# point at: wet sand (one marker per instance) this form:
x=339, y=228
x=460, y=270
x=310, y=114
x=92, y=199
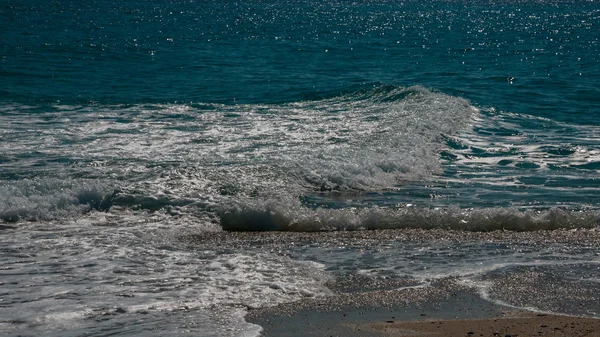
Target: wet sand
x=279, y=240
x=364, y=306
x=523, y=324
x=450, y=319
x=444, y=309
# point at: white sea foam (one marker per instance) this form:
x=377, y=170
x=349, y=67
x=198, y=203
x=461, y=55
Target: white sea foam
x=79, y=275
x=516, y=139
x=561, y=283
x=51, y=198
x=252, y=167
x=200, y=158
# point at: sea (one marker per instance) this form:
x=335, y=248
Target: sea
x=142, y=140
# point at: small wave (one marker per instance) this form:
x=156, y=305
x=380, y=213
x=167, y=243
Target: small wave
x=279, y=215
x=51, y=199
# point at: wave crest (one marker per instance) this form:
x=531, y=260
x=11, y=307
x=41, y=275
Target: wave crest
x=50, y=199
x=201, y=157
x=291, y=215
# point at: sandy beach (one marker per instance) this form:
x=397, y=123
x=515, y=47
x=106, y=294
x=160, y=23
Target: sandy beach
x=443, y=308
x=505, y=324
x=522, y=324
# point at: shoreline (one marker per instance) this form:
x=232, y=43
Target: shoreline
x=444, y=309
x=578, y=236
x=382, y=305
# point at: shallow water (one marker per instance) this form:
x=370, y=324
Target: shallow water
x=153, y=278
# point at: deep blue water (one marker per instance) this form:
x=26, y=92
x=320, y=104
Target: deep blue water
x=127, y=127
x=131, y=52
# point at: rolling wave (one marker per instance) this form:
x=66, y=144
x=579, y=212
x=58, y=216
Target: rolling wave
x=257, y=167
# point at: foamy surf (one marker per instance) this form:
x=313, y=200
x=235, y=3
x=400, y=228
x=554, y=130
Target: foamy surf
x=144, y=275
x=215, y=155
x=390, y=157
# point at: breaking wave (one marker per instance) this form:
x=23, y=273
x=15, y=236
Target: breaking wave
x=256, y=167
x=290, y=215
x=51, y=198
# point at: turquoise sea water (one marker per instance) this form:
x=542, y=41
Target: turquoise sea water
x=125, y=125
